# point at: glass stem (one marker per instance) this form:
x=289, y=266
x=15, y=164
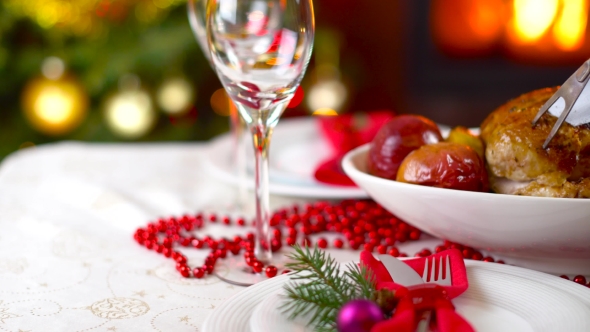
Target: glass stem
x=239, y=136
x=261, y=138
x=241, y=162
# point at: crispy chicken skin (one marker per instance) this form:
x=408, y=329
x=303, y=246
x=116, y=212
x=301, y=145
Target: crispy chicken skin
x=516, y=160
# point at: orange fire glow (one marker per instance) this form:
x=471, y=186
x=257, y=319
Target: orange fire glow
x=565, y=21
x=528, y=29
x=467, y=27
x=532, y=18
x=570, y=29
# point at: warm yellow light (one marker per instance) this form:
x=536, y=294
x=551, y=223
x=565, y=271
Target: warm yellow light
x=175, y=96
x=48, y=15
x=325, y=112
x=327, y=94
x=569, y=30
x=53, y=106
x=130, y=114
x=87, y=17
x=532, y=18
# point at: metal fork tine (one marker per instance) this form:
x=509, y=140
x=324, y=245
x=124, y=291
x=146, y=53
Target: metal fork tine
x=560, y=120
x=546, y=107
x=569, y=91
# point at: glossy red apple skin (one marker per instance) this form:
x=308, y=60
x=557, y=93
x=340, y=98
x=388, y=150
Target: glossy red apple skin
x=445, y=165
x=396, y=139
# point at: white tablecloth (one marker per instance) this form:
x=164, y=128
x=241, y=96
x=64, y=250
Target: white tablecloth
x=68, y=261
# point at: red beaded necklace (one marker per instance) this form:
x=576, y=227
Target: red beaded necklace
x=360, y=222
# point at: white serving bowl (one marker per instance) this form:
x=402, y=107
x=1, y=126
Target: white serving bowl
x=541, y=233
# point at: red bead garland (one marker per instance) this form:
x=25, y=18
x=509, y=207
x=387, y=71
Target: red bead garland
x=362, y=223
x=271, y=271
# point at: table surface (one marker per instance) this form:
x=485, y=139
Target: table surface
x=68, y=261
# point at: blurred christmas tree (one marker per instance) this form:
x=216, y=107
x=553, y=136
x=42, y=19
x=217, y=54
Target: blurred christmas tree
x=131, y=70
x=69, y=68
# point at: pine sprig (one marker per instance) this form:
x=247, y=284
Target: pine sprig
x=363, y=279
x=320, y=288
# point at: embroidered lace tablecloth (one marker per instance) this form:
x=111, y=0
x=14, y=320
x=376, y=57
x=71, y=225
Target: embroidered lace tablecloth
x=67, y=258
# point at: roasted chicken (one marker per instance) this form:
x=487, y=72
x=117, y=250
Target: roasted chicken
x=518, y=164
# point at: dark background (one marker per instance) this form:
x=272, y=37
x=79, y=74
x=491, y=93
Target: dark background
x=385, y=50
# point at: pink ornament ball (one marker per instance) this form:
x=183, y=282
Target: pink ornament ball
x=358, y=316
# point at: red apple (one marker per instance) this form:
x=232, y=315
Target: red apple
x=396, y=139
x=445, y=165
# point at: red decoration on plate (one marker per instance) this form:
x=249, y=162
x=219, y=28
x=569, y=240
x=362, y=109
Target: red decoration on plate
x=417, y=298
x=331, y=172
x=344, y=133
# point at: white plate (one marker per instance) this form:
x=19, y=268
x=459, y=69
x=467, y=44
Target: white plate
x=540, y=233
x=500, y=298
x=296, y=149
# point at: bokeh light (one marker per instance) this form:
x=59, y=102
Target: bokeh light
x=221, y=103
x=175, y=96
x=330, y=94
x=130, y=114
x=54, y=106
x=84, y=17
x=324, y=112
x=569, y=30
x=53, y=68
x=533, y=17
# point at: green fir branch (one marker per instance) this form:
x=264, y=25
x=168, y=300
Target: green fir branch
x=319, y=288
x=363, y=279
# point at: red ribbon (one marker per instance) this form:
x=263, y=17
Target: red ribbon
x=416, y=299
x=344, y=133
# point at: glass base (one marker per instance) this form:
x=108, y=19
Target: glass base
x=237, y=272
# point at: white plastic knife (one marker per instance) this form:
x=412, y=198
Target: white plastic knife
x=403, y=274
x=400, y=272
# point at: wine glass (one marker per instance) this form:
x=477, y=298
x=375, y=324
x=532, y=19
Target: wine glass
x=197, y=17
x=260, y=49
x=197, y=10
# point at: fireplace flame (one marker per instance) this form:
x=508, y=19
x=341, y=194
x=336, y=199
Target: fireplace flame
x=545, y=31
x=532, y=18
x=565, y=20
x=569, y=30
